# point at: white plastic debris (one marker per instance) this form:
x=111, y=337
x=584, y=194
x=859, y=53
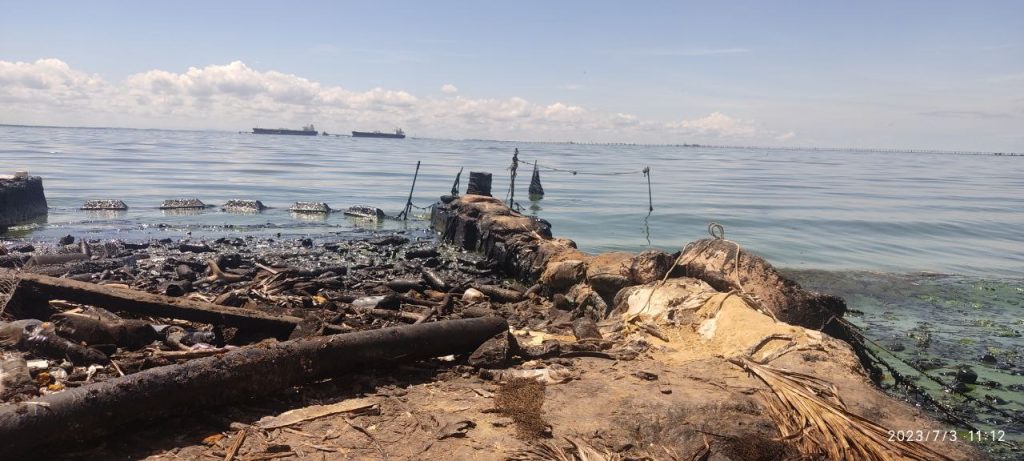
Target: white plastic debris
x=37, y=365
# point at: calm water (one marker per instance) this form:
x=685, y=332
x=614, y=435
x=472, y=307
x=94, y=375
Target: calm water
x=850, y=222
x=940, y=213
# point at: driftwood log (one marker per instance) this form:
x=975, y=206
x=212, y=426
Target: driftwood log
x=33, y=293
x=92, y=410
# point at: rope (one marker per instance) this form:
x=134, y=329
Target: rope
x=581, y=173
x=717, y=232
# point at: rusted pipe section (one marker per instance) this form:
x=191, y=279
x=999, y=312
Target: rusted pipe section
x=93, y=410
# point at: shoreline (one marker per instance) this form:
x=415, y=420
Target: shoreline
x=527, y=318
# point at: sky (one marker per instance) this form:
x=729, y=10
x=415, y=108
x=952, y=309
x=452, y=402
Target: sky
x=910, y=75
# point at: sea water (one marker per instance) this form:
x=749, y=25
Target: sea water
x=927, y=248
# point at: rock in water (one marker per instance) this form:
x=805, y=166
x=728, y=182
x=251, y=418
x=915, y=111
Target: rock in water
x=107, y=204
x=365, y=212
x=243, y=206
x=182, y=204
x=966, y=375
x=310, y=207
x=22, y=199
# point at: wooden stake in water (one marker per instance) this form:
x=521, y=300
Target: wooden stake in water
x=408, y=203
x=455, y=187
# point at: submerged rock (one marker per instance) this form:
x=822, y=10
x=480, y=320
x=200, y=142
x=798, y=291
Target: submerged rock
x=966, y=375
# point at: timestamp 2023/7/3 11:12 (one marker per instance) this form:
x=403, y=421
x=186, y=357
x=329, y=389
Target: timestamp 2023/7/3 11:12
x=937, y=435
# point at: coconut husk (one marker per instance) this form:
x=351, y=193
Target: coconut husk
x=810, y=414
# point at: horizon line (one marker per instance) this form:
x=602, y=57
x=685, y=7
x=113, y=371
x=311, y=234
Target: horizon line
x=590, y=143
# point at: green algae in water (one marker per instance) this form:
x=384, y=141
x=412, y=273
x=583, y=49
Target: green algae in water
x=940, y=323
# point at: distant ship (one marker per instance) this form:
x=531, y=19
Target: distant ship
x=398, y=134
x=305, y=131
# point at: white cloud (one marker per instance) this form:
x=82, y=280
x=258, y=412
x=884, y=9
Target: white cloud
x=717, y=125
x=235, y=96
x=46, y=81
x=785, y=136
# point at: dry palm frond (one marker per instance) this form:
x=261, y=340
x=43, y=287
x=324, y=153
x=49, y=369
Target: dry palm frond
x=809, y=412
x=550, y=451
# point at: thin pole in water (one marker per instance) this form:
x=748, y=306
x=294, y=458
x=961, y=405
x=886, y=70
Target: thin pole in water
x=512, y=183
x=650, y=198
x=408, y=203
x=455, y=186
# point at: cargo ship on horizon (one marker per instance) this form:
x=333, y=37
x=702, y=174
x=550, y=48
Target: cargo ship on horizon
x=398, y=134
x=305, y=131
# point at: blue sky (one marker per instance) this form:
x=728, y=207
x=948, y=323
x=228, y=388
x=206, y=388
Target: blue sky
x=941, y=75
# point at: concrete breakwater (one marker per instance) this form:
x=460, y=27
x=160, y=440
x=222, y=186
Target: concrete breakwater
x=21, y=199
